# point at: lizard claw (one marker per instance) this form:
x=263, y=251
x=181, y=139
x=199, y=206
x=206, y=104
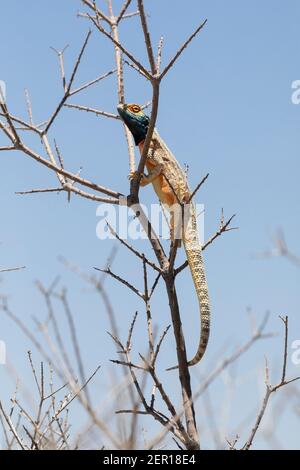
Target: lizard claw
x=133, y=174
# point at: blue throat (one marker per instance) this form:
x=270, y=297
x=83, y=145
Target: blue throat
x=137, y=124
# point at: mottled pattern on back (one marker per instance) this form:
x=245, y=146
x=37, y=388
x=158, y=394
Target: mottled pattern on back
x=160, y=154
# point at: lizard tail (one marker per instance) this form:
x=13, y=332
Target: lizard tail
x=193, y=251
x=196, y=265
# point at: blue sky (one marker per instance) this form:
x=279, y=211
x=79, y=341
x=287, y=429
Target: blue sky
x=226, y=109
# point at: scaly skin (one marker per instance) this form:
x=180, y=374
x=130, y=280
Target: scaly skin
x=170, y=185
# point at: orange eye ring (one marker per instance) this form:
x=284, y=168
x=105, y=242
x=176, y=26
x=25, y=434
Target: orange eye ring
x=135, y=108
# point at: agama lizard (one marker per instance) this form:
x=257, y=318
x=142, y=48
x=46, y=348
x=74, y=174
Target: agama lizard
x=170, y=185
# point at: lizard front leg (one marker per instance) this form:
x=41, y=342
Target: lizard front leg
x=152, y=175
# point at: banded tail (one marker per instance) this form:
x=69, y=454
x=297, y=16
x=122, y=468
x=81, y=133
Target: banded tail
x=194, y=256
x=196, y=264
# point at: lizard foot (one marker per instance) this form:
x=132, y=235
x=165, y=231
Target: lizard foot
x=133, y=174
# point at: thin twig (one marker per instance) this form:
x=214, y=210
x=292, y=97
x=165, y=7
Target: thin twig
x=68, y=87
x=120, y=46
x=257, y=335
x=11, y=427
x=148, y=312
x=123, y=11
x=92, y=82
x=147, y=37
x=42, y=190
x=121, y=280
x=7, y=270
x=159, y=344
x=159, y=54
x=127, y=364
x=29, y=106
x=98, y=12
x=3, y=149
x=60, y=55
x=182, y=48
x=154, y=285
x=223, y=228
x=128, y=342
x=198, y=187
x=98, y=112
x=271, y=389
x=133, y=250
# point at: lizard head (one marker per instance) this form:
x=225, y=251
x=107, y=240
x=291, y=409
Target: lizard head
x=135, y=119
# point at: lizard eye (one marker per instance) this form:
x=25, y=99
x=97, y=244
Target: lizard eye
x=135, y=108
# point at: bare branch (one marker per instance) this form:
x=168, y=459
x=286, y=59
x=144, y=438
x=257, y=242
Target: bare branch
x=123, y=11
x=67, y=174
x=42, y=190
x=69, y=188
x=122, y=48
x=99, y=13
x=139, y=412
x=148, y=312
x=257, y=335
x=147, y=37
x=170, y=425
x=60, y=55
x=26, y=125
x=136, y=68
x=127, y=364
x=182, y=48
x=281, y=249
x=146, y=224
x=128, y=343
x=285, y=351
x=122, y=281
x=92, y=82
x=5, y=270
x=8, y=132
x=133, y=250
x=271, y=389
x=159, y=54
x=52, y=159
x=166, y=399
x=68, y=88
x=173, y=252
x=11, y=427
x=159, y=344
x=29, y=106
x=154, y=285
x=77, y=394
x=98, y=112
x=74, y=337
x=198, y=187
x=120, y=82
x=34, y=374
x=223, y=228
x=5, y=149
x=130, y=15
x=11, y=133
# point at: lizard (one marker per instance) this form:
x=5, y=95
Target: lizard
x=170, y=184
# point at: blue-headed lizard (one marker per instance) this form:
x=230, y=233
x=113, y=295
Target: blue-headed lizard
x=169, y=182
